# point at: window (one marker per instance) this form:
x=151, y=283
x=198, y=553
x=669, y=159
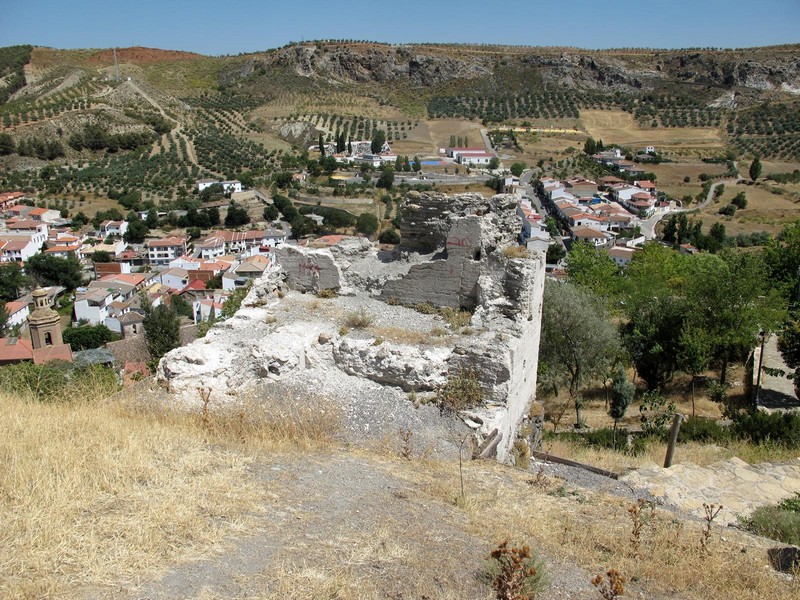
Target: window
x=48, y=339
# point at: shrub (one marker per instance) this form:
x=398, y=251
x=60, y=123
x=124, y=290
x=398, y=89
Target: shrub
x=775, y=523
x=389, y=236
x=359, y=319
x=516, y=252
x=704, y=430
x=456, y=318
x=761, y=427
x=462, y=390
x=728, y=210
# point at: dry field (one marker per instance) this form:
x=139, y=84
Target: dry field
x=621, y=128
x=765, y=210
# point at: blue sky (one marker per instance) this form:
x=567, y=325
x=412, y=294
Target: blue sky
x=215, y=27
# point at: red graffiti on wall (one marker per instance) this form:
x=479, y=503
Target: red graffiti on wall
x=308, y=268
x=459, y=242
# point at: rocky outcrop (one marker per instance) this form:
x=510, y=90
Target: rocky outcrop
x=629, y=72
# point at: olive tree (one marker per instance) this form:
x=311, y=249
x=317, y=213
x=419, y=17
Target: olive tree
x=579, y=342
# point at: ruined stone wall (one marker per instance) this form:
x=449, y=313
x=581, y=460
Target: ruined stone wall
x=295, y=340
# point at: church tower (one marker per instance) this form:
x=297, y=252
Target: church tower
x=44, y=322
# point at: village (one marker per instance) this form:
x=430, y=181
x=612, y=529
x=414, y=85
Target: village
x=202, y=273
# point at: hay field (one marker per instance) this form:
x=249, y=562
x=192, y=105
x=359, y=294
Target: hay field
x=620, y=127
x=765, y=211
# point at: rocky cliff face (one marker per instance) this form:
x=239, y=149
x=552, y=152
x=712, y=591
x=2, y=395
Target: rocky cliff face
x=429, y=67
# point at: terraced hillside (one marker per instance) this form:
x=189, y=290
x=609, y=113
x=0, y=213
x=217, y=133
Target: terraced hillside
x=160, y=118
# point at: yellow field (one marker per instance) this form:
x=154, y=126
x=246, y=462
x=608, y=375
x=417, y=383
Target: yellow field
x=621, y=128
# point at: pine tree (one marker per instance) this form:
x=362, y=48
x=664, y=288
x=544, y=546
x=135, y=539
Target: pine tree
x=321, y=145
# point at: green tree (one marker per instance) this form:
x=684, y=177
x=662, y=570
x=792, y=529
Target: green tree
x=755, y=169
x=271, y=212
x=181, y=307
x=321, y=145
x=101, y=256
x=11, y=281
x=590, y=147
x=162, y=328
x=367, y=224
x=386, y=180
x=593, y=269
x=494, y=163
x=694, y=355
x=416, y=166
x=378, y=139
x=301, y=226
x=7, y=145
x=46, y=269
x=555, y=252
x=87, y=337
x=3, y=319
x=236, y=216
x=782, y=261
x=137, y=231
x=622, y=393
x=389, y=236
x=518, y=168
x=740, y=200
x=578, y=341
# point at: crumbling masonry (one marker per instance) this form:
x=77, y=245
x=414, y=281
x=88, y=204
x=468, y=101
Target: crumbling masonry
x=455, y=253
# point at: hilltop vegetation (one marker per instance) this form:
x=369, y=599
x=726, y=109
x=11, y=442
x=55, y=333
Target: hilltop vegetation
x=166, y=118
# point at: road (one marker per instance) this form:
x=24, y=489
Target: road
x=710, y=195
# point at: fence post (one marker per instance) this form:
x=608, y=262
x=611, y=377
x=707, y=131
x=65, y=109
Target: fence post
x=673, y=439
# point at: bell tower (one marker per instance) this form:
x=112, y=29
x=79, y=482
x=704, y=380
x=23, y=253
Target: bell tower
x=44, y=322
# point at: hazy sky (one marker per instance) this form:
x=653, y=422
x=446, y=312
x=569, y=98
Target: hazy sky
x=214, y=27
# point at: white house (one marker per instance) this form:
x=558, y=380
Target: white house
x=483, y=158
x=246, y=271
x=456, y=152
x=161, y=252
x=44, y=215
x=92, y=305
x=175, y=277
x=20, y=247
x=18, y=312
x=593, y=236
x=117, y=228
x=621, y=255
x=240, y=242
x=228, y=187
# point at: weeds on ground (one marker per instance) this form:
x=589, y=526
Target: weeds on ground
x=641, y=514
x=406, y=449
x=516, y=252
x=326, y=293
x=611, y=586
x=711, y=512
x=515, y=573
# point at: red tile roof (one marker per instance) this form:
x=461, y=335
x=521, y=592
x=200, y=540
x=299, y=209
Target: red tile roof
x=15, y=350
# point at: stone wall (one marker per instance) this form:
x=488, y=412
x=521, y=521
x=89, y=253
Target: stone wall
x=309, y=270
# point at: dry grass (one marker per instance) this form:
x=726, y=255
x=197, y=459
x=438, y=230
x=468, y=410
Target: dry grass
x=408, y=336
x=592, y=531
x=621, y=128
x=93, y=492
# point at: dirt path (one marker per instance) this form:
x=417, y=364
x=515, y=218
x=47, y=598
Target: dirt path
x=346, y=526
